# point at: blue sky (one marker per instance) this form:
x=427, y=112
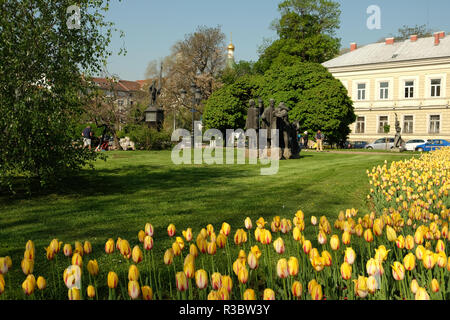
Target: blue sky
x=152, y=26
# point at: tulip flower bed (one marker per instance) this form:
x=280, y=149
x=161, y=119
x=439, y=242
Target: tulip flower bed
x=395, y=250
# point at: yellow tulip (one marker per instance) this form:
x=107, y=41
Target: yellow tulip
x=181, y=281
x=201, y=279
x=377, y=227
x=293, y=266
x=171, y=230
x=213, y=295
x=400, y=242
x=141, y=236
x=28, y=254
x=391, y=234
x=189, y=269
x=133, y=289
x=350, y=255
x=2, y=285
x=148, y=243
x=223, y=294
x=422, y=294
x=50, y=253
x=87, y=247
x=381, y=253
x=334, y=242
x=227, y=283
x=268, y=294
x=113, y=280
x=77, y=260
x=54, y=245
x=297, y=289
x=133, y=273
x=147, y=293
x=242, y=256
x=409, y=242
x=79, y=248
x=248, y=223
x=252, y=261
x=420, y=251
x=216, y=281
x=316, y=292
x=441, y=260
x=297, y=234
x=67, y=249
x=92, y=267
x=346, y=238
x=249, y=294
x=307, y=246
x=212, y=248
x=187, y=234
x=326, y=257
x=90, y=291
x=428, y=260
x=243, y=275
x=225, y=229
x=282, y=268
x=434, y=285
x=27, y=266
x=311, y=285
x=3, y=266
x=72, y=276
x=74, y=294
x=313, y=220
x=440, y=246
x=180, y=242
x=109, y=246
x=148, y=229
x=414, y=286
x=260, y=223
x=176, y=249
x=346, y=271
x=361, y=287
x=372, y=284
x=279, y=245
x=398, y=271
x=168, y=256
x=137, y=254
x=409, y=262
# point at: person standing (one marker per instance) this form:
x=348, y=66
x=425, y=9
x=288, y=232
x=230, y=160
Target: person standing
x=87, y=137
x=319, y=140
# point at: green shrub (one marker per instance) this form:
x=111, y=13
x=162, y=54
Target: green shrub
x=148, y=139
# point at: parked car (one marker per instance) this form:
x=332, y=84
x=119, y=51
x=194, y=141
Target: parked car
x=380, y=144
x=433, y=144
x=411, y=145
x=359, y=144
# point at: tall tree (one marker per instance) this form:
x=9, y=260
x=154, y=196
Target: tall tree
x=41, y=84
x=306, y=32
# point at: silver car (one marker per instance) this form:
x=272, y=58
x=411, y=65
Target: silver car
x=381, y=144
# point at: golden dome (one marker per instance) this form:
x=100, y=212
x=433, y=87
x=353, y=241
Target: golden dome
x=230, y=46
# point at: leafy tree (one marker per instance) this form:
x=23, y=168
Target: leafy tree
x=315, y=98
x=42, y=87
x=242, y=68
x=405, y=32
x=306, y=32
x=227, y=107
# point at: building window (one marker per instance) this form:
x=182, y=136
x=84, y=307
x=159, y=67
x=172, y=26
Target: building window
x=361, y=91
x=408, y=124
x=435, y=123
x=384, y=90
x=383, y=120
x=409, y=89
x=436, y=87
x=120, y=102
x=360, y=125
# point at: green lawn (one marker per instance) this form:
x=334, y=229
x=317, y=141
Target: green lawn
x=132, y=188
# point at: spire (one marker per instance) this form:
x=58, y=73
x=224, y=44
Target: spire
x=230, y=57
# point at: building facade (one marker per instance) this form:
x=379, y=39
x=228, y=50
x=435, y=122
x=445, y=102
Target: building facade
x=410, y=79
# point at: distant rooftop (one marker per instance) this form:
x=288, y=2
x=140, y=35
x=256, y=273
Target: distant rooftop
x=389, y=51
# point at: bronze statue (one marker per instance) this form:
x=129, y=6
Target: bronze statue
x=154, y=91
x=399, y=143
x=252, y=121
x=268, y=119
x=283, y=125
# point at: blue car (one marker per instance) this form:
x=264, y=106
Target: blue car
x=433, y=144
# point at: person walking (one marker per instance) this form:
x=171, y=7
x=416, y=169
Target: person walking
x=319, y=140
x=87, y=137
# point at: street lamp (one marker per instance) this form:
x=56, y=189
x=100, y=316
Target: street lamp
x=196, y=99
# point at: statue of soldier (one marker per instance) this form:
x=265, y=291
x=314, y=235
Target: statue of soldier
x=399, y=143
x=267, y=121
x=154, y=91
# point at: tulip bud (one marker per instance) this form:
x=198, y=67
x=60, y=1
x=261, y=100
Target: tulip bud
x=248, y=223
x=87, y=247
x=422, y=294
x=346, y=238
x=67, y=249
x=243, y=275
x=434, y=285
x=168, y=256
x=279, y=246
x=113, y=280
x=92, y=267
x=322, y=238
x=316, y=292
x=269, y=294
x=187, y=234
x=282, y=268
x=41, y=283
x=409, y=242
x=201, y=279
x=297, y=289
x=252, y=261
x=414, y=286
x=350, y=256
x=307, y=246
x=27, y=266
x=4, y=266
x=141, y=236
x=313, y=220
x=147, y=293
x=293, y=266
x=334, y=242
x=133, y=273
x=372, y=284
x=181, y=281
x=249, y=294
x=361, y=288
x=171, y=230
x=79, y=248
x=133, y=289
x=176, y=249
x=346, y=271
x=409, y=261
x=90, y=291
x=212, y=248
x=227, y=283
x=137, y=254
x=74, y=294
x=148, y=229
x=189, y=269
x=398, y=271
x=77, y=260
x=213, y=295
x=216, y=281
x=225, y=229
x=109, y=246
